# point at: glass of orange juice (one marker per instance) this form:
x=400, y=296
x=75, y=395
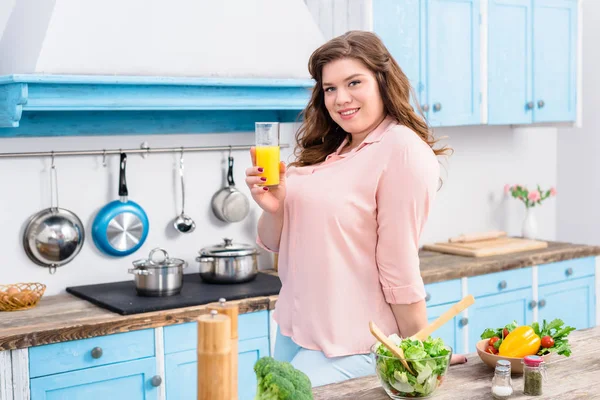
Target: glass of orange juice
x=267, y=151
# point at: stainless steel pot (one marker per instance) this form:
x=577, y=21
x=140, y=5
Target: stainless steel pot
x=229, y=204
x=158, y=278
x=228, y=262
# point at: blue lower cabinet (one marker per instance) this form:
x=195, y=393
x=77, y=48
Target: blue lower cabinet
x=498, y=310
x=181, y=370
x=130, y=380
x=451, y=332
x=572, y=301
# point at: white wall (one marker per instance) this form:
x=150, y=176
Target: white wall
x=158, y=37
x=579, y=148
x=471, y=199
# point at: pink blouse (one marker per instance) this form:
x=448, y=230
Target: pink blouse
x=349, y=245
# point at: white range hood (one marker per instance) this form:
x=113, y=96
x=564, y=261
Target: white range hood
x=176, y=38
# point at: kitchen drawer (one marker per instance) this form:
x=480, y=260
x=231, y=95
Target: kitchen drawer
x=566, y=270
x=500, y=282
x=185, y=336
x=443, y=292
x=77, y=354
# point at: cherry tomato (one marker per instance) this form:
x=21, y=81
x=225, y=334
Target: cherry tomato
x=493, y=340
x=491, y=350
x=547, y=341
x=505, y=332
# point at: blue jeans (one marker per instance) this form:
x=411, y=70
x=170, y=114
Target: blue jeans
x=320, y=369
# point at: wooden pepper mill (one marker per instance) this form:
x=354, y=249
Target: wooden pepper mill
x=214, y=357
x=232, y=311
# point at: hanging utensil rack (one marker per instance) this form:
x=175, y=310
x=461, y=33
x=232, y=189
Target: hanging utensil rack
x=144, y=150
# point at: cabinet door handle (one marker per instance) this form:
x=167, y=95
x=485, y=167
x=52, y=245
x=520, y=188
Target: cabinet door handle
x=502, y=285
x=97, y=352
x=156, y=381
x=569, y=271
x=437, y=107
x=464, y=321
x=427, y=297
x=533, y=304
x=542, y=303
x=541, y=104
x=530, y=105
x=425, y=107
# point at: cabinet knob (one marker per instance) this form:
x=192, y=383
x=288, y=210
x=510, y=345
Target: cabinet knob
x=156, y=380
x=541, y=104
x=533, y=304
x=425, y=107
x=464, y=321
x=502, y=285
x=569, y=271
x=96, y=352
x=437, y=107
x=427, y=297
x=530, y=105
x=542, y=303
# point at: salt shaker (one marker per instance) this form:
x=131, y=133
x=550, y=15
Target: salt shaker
x=502, y=383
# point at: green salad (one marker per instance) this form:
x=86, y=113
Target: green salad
x=428, y=360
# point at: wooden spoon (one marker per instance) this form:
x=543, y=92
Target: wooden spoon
x=397, y=351
x=445, y=317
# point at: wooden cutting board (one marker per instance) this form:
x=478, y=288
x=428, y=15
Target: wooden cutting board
x=484, y=248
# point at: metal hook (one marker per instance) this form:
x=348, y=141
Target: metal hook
x=104, y=158
x=52, y=157
x=229, y=151
x=181, y=152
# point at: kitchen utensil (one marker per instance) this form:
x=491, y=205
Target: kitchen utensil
x=485, y=248
x=232, y=311
x=214, y=357
x=396, y=351
x=53, y=236
x=20, y=296
x=490, y=360
x=121, y=226
x=228, y=262
x=474, y=237
x=158, y=277
x=452, y=312
x=229, y=204
x=183, y=223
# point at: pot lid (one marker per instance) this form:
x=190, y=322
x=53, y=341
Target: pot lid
x=153, y=262
x=228, y=249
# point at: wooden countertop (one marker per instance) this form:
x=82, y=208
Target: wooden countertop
x=66, y=317
x=574, y=377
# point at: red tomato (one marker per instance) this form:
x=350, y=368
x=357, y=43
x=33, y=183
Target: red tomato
x=491, y=350
x=493, y=340
x=505, y=332
x=547, y=341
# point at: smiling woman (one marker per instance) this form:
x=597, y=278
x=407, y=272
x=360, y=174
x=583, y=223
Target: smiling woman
x=347, y=215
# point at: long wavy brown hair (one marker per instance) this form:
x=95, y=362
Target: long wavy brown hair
x=319, y=135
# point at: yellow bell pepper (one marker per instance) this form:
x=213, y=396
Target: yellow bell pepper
x=521, y=342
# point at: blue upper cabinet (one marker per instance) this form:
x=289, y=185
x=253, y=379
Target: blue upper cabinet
x=452, y=62
x=510, y=87
x=555, y=60
x=532, y=61
x=398, y=24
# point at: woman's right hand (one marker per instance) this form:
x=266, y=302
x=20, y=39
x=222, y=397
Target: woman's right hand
x=270, y=199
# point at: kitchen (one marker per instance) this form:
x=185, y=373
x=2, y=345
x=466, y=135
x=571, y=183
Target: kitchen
x=487, y=156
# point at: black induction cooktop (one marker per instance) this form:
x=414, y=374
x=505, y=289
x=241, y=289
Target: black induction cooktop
x=122, y=298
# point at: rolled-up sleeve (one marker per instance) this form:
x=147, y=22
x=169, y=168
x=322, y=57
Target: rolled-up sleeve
x=405, y=192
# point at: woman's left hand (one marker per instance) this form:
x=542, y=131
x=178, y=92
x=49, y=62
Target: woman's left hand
x=458, y=359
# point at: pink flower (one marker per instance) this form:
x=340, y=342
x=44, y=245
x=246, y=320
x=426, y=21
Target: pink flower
x=552, y=191
x=507, y=188
x=534, y=196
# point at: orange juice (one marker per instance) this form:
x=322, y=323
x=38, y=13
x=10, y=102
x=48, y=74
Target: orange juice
x=267, y=157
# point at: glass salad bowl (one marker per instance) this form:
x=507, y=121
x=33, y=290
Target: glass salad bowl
x=428, y=361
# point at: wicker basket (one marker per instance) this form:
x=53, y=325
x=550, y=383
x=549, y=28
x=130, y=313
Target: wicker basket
x=20, y=296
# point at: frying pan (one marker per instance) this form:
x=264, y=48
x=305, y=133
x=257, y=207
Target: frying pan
x=121, y=226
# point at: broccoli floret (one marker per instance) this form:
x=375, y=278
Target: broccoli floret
x=278, y=380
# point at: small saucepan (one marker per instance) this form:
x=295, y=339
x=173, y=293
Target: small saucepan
x=229, y=204
x=158, y=277
x=228, y=262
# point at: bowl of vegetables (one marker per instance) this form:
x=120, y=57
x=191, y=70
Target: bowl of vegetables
x=513, y=342
x=427, y=360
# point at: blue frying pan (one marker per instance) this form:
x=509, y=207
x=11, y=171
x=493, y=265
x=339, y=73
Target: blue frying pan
x=121, y=226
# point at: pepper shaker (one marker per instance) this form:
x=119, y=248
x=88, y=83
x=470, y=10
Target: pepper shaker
x=534, y=373
x=501, y=382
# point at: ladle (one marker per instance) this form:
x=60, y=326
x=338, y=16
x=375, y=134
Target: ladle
x=183, y=223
